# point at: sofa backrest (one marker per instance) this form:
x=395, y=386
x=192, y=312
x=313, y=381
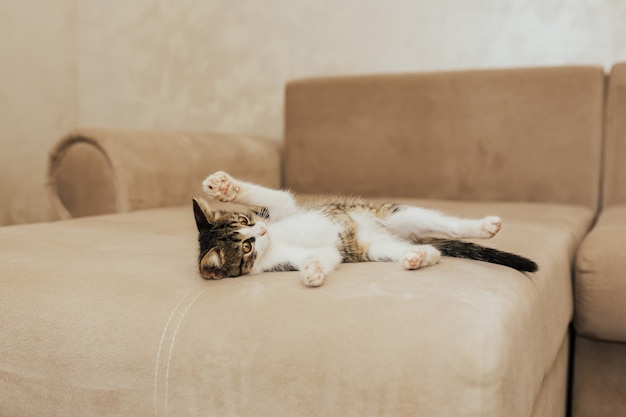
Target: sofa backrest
x=615, y=148
x=531, y=134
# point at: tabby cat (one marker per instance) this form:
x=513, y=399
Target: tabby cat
x=275, y=234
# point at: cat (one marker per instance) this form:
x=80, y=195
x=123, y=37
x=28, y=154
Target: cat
x=275, y=234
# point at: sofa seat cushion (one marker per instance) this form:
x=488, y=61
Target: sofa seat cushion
x=600, y=280
x=108, y=315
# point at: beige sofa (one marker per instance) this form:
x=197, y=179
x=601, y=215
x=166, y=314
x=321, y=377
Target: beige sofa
x=105, y=313
x=599, y=387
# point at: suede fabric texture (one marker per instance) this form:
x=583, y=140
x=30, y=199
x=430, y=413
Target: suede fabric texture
x=505, y=135
x=108, y=315
x=599, y=378
x=615, y=154
x=600, y=283
x=98, y=171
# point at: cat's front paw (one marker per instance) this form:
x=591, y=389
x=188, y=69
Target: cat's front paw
x=221, y=187
x=491, y=225
x=312, y=275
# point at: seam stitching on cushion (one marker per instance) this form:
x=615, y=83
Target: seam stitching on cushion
x=171, y=350
x=161, y=342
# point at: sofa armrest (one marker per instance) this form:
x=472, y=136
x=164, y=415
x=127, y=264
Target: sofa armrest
x=98, y=171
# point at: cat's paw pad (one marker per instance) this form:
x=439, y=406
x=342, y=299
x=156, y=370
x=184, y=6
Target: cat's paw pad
x=420, y=257
x=491, y=225
x=220, y=186
x=313, y=274
x=413, y=259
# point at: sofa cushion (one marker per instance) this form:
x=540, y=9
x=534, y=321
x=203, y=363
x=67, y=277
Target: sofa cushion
x=108, y=315
x=529, y=134
x=615, y=151
x=600, y=281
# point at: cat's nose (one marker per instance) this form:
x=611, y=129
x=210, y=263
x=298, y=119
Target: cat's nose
x=262, y=230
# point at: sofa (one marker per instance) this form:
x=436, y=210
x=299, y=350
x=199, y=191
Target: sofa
x=105, y=313
x=600, y=285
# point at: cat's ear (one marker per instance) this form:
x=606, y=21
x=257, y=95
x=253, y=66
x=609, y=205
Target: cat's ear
x=200, y=210
x=211, y=265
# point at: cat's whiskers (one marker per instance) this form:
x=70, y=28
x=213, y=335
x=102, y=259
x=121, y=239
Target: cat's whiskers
x=261, y=249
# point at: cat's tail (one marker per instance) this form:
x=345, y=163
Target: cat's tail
x=468, y=250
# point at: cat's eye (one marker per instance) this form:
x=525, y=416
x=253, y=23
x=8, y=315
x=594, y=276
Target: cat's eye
x=243, y=220
x=246, y=246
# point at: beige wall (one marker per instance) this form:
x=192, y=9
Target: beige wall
x=222, y=64
x=37, y=100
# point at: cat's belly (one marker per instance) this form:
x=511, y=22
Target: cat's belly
x=291, y=241
x=306, y=230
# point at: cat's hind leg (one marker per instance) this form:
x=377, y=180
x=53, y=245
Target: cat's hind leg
x=221, y=186
x=411, y=256
x=412, y=221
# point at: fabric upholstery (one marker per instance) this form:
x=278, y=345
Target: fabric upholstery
x=599, y=378
x=615, y=171
x=506, y=135
x=600, y=280
x=108, y=315
x=600, y=283
x=97, y=171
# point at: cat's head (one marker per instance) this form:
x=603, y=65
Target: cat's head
x=229, y=241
